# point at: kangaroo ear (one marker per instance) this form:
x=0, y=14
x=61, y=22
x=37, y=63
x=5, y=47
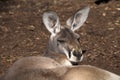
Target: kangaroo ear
x=51, y=21
x=77, y=20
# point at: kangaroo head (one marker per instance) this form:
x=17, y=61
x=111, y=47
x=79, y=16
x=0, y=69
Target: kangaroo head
x=63, y=39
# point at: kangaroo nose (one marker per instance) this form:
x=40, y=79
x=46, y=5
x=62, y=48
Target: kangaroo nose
x=77, y=54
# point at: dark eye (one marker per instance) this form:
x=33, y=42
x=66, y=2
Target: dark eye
x=78, y=39
x=61, y=41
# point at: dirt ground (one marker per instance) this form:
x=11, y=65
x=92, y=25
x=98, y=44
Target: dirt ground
x=22, y=32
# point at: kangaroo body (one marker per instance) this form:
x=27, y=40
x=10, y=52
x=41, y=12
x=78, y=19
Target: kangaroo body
x=81, y=72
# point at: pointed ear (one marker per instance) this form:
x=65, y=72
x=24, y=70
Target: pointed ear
x=77, y=20
x=51, y=21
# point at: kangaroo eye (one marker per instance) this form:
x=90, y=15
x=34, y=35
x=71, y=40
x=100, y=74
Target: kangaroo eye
x=78, y=39
x=61, y=41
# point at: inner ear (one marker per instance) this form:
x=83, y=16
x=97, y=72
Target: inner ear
x=52, y=21
x=77, y=19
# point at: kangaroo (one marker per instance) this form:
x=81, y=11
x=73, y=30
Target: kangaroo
x=63, y=39
x=63, y=46
x=56, y=66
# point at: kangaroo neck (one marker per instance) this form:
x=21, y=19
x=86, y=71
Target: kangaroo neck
x=52, y=44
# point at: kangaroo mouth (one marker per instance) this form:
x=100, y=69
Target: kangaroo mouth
x=74, y=63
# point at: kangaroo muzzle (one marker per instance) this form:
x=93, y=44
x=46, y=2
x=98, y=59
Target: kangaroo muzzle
x=76, y=55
